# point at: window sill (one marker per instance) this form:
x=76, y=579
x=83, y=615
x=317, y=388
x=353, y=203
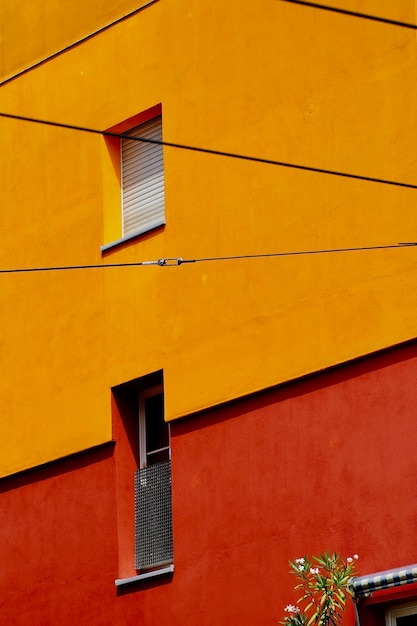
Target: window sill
x=164, y=571
x=122, y=240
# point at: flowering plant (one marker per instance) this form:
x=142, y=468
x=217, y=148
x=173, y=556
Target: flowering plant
x=324, y=584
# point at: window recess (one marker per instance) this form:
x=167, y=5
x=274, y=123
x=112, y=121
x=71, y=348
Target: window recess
x=133, y=178
x=143, y=461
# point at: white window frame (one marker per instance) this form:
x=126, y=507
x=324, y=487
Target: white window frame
x=143, y=396
x=403, y=610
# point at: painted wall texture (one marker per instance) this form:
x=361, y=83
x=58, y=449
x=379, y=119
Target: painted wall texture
x=267, y=79
x=25, y=41
x=263, y=479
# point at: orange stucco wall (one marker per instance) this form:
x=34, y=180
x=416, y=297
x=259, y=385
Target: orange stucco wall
x=268, y=79
x=34, y=31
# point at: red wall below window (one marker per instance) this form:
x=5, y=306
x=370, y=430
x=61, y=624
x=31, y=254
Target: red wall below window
x=328, y=463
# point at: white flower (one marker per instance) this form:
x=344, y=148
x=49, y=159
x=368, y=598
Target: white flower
x=290, y=608
x=301, y=560
x=349, y=559
x=356, y=557
x=314, y=570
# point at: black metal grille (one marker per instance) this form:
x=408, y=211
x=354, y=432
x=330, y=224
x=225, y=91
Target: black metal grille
x=153, y=515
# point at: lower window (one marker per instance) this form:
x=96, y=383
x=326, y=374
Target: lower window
x=143, y=467
x=404, y=615
x=153, y=495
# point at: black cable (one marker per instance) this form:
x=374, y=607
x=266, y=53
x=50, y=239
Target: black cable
x=298, y=253
x=314, y=5
x=76, y=43
x=176, y=261
x=365, y=16
x=222, y=153
x=60, y=268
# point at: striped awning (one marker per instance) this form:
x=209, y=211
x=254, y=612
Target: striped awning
x=384, y=580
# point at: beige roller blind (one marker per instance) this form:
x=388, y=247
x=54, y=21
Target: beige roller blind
x=143, y=205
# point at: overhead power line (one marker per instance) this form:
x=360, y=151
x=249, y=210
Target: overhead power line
x=221, y=153
x=364, y=16
x=177, y=261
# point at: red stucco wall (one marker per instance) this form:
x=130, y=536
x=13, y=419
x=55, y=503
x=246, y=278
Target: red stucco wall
x=326, y=463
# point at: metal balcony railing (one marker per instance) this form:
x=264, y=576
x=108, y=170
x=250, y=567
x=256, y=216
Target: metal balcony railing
x=153, y=516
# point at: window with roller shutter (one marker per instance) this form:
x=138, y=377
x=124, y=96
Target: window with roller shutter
x=143, y=204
